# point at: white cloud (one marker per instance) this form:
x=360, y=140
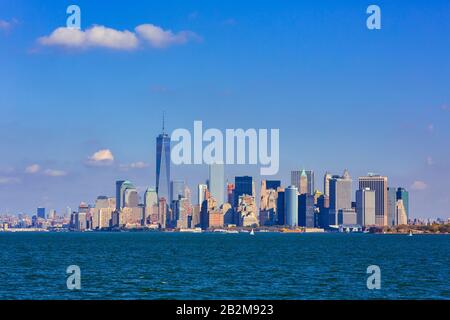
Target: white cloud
x=134, y=165
x=138, y=165
x=7, y=25
x=101, y=157
x=55, y=173
x=9, y=180
x=96, y=36
x=32, y=169
x=104, y=37
x=160, y=38
x=419, y=185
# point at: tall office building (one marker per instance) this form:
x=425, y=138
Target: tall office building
x=150, y=197
x=303, y=180
x=291, y=206
x=299, y=179
x=365, y=207
x=118, y=195
x=310, y=181
x=341, y=191
x=176, y=189
x=326, y=183
x=40, y=213
x=380, y=185
x=131, y=198
x=392, y=202
x=163, y=165
x=306, y=210
x=403, y=194
x=340, y=196
x=400, y=213
x=267, y=205
x=202, y=188
x=216, y=182
x=243, y=186
x=281, y=215
x=124, y=186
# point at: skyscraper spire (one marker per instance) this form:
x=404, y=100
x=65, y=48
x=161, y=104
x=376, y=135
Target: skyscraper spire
x=163, y=124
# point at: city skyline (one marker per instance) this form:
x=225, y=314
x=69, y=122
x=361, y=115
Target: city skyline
x=74, y=119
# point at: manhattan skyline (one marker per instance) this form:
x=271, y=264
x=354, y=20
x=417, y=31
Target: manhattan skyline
x=73, y=120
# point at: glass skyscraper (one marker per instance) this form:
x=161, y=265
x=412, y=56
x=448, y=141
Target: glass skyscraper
x=243, y=185
x=403, y=194
x=163, y=165
x=118, y=197
x=291, y=206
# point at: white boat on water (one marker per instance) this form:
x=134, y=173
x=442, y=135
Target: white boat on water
x=410, y=234
x=252, y=233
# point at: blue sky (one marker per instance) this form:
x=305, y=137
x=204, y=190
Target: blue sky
x=343, y=96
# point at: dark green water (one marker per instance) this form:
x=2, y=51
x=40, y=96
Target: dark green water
x=223, y=266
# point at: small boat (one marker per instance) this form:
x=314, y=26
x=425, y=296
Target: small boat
x=410, y=234
x=252, y=233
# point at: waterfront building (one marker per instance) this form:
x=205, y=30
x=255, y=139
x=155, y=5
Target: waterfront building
x=347, y=216
x=102, y=212
x=41, y=213
x=392, y=202
x=400, y=211
x=118, y=194
x=150, y=201
x=124, y=186
x=228, y=214
x=291, y=206
x=281, y=213
x=244, y=185
x=196, y=216
x=306, y=210
x=365, y=207
x=340, y=196
x=208, y=206
x=131, y=217
x=247, y=211
x=403, y=194
x=268, y=205
x=163, y=212
x=182, y=212
x=379, y=184
x=323, y=204
x=131, y=198
x=163, y=164
x=216, y=219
